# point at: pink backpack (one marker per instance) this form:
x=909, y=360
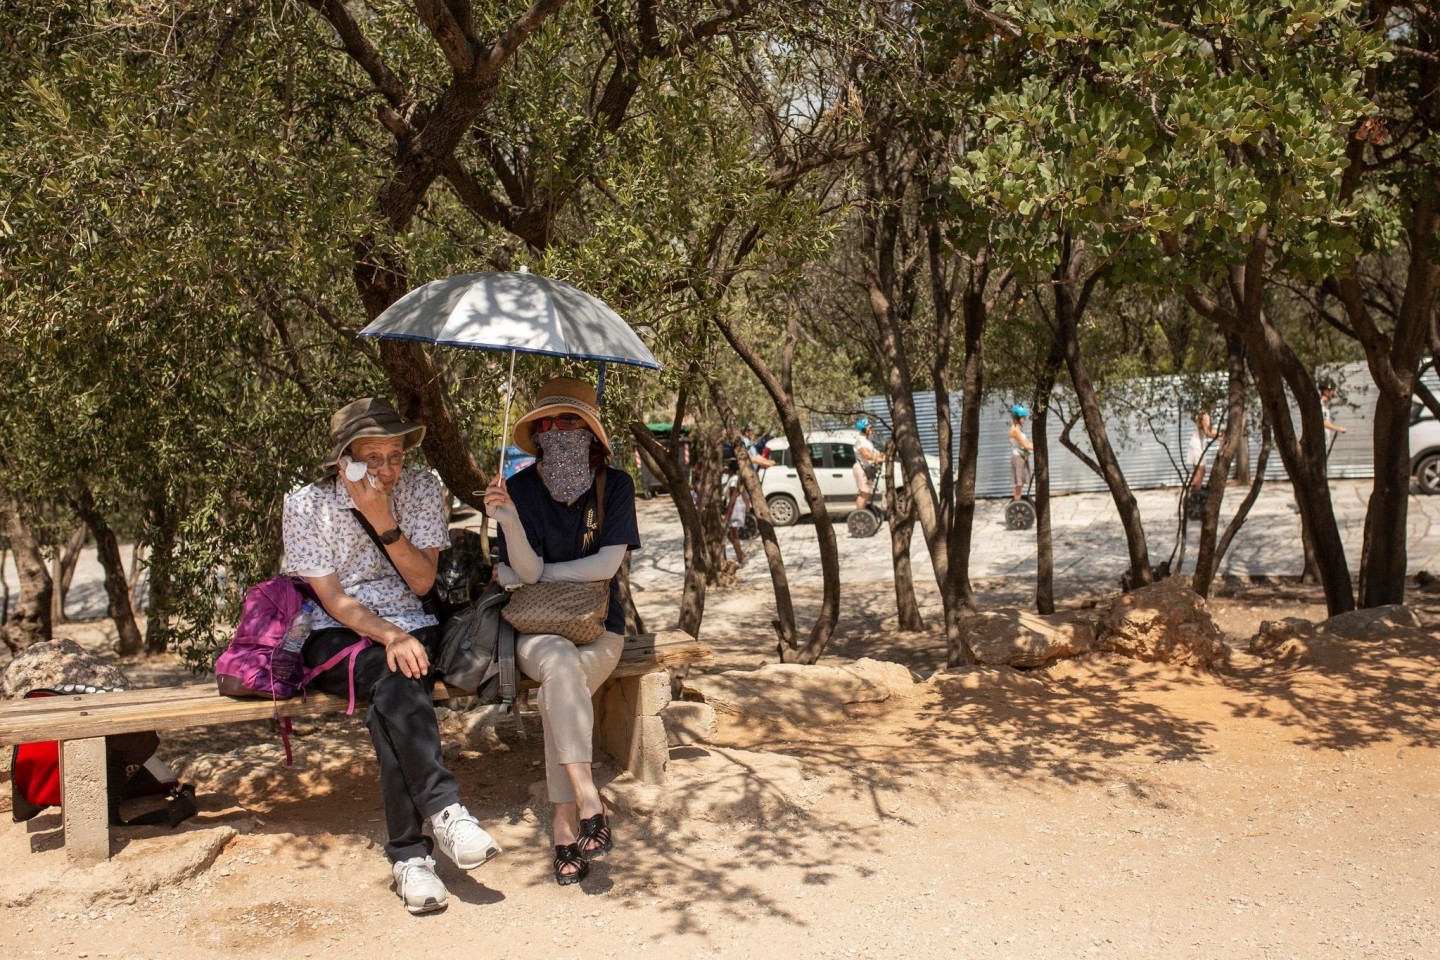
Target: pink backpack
x=264, y=657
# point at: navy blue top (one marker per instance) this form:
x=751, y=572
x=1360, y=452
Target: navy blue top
x=557, y=532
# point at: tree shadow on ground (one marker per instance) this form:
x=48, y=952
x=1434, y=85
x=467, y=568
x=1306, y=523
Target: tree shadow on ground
x=1342, y=694
x=985, y=726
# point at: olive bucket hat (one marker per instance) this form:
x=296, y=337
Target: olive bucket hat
x=370, y=417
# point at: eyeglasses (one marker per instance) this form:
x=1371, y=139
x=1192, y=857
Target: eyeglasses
x=376, y=462
x=561, y=421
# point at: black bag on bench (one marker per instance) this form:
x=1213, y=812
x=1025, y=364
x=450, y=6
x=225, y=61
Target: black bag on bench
x=140, y=786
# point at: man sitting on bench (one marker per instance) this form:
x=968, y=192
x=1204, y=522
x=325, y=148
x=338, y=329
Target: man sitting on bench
x=367, y=593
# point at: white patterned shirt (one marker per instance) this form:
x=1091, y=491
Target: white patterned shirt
x=323, y=537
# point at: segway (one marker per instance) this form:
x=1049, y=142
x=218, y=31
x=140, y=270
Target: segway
x=1020, y=514
x=1195, y=501
x=864, y=523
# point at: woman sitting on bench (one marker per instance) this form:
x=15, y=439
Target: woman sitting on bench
x=569, y=517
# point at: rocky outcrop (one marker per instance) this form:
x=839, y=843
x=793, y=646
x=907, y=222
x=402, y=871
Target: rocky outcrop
x=1336, y=640
x=56, y=663
x=1165, y=622
x=800, y=693
x=1022, y=639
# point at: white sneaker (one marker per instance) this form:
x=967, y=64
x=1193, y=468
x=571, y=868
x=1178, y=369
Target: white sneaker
x=417, y=884
x=461, y=838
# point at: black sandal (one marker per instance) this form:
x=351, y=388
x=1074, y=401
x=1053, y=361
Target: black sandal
x=568, y=855
x=596, y=840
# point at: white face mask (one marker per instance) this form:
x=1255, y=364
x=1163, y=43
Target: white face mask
x=565, y=468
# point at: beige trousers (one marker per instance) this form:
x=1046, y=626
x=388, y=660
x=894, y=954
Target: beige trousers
x=568, y=676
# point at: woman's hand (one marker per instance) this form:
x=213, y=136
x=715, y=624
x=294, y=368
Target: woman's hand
x=498, y=503
x=407, y=655
x=507, y=577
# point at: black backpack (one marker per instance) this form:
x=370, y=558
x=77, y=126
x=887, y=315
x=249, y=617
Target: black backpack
x=141, y=787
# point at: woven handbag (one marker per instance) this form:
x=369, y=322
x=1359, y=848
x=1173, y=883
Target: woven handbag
x=575, y=611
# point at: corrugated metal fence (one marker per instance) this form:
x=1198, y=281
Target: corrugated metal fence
x=1149, y=422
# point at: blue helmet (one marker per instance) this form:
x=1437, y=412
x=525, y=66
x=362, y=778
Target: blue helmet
x=862, y=423
x=1020, y=410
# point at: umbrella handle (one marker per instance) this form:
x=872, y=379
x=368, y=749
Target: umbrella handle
x=505, y=430
x=600, y=386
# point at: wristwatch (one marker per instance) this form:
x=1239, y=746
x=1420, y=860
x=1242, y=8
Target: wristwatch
x=390, y=536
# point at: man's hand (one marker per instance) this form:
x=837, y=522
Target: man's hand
x=407, y=656
x=372, y=501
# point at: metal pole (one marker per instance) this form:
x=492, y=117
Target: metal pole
x=600, y=386
x=505, y=431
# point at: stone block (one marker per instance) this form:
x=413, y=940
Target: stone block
x=689, y=723
x=85, y=801
x=649, y=751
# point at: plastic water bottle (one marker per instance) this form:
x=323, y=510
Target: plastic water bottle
x=299, y=628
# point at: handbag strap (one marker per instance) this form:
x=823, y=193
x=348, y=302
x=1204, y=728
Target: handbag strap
x=598, y=515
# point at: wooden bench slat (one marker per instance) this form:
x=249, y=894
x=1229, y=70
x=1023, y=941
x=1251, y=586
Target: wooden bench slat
x=193, y=705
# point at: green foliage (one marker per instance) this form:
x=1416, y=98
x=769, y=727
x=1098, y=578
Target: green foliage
x=1133, y=125
x=161, y=215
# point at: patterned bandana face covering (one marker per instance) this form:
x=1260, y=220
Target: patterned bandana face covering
x=565, y=468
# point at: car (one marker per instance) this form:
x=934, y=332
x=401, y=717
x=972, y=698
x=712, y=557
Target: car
x=1424, y=448
x=833, y=453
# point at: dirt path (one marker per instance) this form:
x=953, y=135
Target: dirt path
x=1094, y=809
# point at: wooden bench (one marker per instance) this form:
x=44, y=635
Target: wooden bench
x=628, y=726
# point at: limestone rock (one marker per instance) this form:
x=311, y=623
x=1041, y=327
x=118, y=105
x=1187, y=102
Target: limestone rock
x=689, y=723
x=55, y=663
x=896, y=677
x=1285, y=639
x=1371, y=623
x=1165, y=622
x=1334, y=642
x=1023, y=639
x=985, y=679
x=796, y=693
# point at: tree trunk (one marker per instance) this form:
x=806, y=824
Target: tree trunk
x=1040, y=439
x=697, y=561
x=1243, y=511
x=160, y=563
x=634, y=623
x=784, y=623
x=28, y=623
x=902, y=532
x=1232, y=441
x=972, y=389
x=1279, y=375
x=1383, y=559
x=117, y=588
x=66, y=560
x=794, y=431
x=1068, y=310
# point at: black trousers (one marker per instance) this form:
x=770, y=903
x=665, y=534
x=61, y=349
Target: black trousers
x=413, y=780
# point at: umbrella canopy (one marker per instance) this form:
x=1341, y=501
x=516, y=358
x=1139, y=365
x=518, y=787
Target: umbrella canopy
x=519, y=312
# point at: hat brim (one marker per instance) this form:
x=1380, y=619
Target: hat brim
x=412, y=432
x=523, y=434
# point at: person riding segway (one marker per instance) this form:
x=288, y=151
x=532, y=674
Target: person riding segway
x=866, y=518
x=1020, y=514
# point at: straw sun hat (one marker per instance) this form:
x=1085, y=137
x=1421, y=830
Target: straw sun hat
x=561, y=395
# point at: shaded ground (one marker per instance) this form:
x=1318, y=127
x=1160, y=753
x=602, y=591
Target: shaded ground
x=1097, y=808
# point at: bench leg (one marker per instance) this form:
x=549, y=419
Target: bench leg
x=85, y=807
x=628, y=725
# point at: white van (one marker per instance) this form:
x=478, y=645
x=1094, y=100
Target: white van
x=833, y=453
x=1424, y=448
